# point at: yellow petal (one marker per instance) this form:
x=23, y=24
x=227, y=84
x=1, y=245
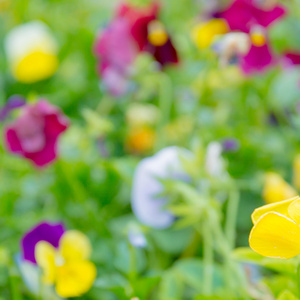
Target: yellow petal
x=203, y=34
x=296, y=169
x=276, y=189
x=35, y=67
x=45, y=257
x=294, y=210
x=74, y=245
x=279, y=207
x=74, y=279
x=275, y=235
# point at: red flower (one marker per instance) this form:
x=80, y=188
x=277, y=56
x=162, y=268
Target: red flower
x=34, y=134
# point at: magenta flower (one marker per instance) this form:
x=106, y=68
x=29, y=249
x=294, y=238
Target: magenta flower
x=241, y=15
x=291, y=59
x=34, y=134
x=49, y=232
x=258, y=59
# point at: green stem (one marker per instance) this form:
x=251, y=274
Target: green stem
x=15, y=291
x=231, y=217
x=208, y=259
x=298, y=279
x=165, y=104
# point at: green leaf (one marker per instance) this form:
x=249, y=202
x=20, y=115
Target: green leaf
x=287, y=295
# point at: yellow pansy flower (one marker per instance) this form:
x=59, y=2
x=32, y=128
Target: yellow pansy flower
x=140, y=139
x=204, y=34
x=296, y=171
x=67, y=267
x=277, y=189
x=32, y=52
x=276, y=230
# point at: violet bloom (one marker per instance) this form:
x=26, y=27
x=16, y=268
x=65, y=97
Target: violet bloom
x=116, y=51
x=49, y=232
x=231, y=145
x=241, y=15
x=34, y=134
x=13, y=102
x=147, y=204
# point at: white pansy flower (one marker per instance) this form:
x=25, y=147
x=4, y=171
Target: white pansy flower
x=31, y=51
x=147, y=205
x=214, y=163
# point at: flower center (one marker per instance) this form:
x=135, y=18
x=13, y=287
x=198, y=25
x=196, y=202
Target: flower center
x=157, y=34
x=258, y=39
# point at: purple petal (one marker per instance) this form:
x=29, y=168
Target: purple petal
x=49, y=232
x=15, y=101
x=230, y=145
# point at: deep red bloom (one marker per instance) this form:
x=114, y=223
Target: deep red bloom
x=34, y=134
x=139, y=19
x=241, y=15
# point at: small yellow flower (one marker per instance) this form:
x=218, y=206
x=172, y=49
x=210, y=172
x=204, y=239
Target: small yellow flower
x=204, y=34
x=32, y=52
x=157, y=34
x=68, y=268
x=276, y=189
x=140, y=140
x=296, y=171
x=276, y=230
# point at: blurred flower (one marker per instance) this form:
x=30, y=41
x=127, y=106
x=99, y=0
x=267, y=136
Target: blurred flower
x=13, y=102
x=291, y=59
x=296, y=172
x=231, y=46
x=260, y=55
x=230, y=145
x=140, y=139
x=147, y=203
x=142, y=114
x=276, y=189
x=136, y=237
x=241, y=15
x=149, y=33
x=116, y=52
x=34, y=133
x=214, y=163
x=32, y=52
x=62, y=256
x=276, y=230
x=204, y=33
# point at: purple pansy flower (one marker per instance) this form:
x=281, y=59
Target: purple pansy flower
x=146, y=203
x=230, y=145
x=35, y=132
x=49, y=232
x=13, y=102
x=241, y=15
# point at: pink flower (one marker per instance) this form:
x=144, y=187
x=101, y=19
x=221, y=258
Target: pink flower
x=34, y=134
x=241, y=15
x=258, y=59
x=116, y=51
